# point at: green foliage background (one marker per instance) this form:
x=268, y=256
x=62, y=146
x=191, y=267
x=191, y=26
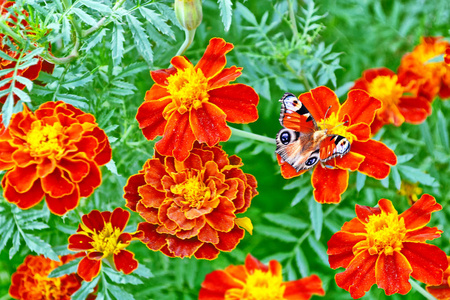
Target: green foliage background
x=284, y=46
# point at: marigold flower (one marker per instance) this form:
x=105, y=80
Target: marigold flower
x=190, y=207
x=255, y=280
x=351, y=120
x=31, y=72
x=447, y=56
x=381, y=247
x=189, y=103
x=426, y=79
x=410, y=190
x=101, y=235
x=30, y=281
x=54, y=152
x=442, y=291
x=396, y=107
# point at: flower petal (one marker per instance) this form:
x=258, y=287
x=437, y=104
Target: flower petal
x=329, y=184
x=238, y=101
x=340, y=248
x=288, y=171
x=207, y=251
x=214, y=60
x=61, y=205
x=229, y=240
x=419, y=214
x=392, y=273
x=23, y=200
x=160, y=76
x=80, y=242
x=414, y=109
x=208, y=124
x=56, y=185
x=91, y=181
x=183, y=248
x=222, y=217
x=423, y=234
x=124, y=261
x=151, y=238
x=150, y=118
x=224, y=77
x=22, y=178
x=216, y=284
x=88, y=269
x=319, y=100
x=378, y=158
x=119, y=218
x=132, y=195
x=360, y=107
x=303, y=288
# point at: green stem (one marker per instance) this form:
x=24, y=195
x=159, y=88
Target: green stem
x=421, y=290
x=253, y=136
x=102, y=20
x=293, y=21
x=8, y=31
x=187, y=42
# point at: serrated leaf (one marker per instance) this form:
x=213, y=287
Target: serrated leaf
x=300, y=196
x=404, y=158
x=34, y=226
x=143, y=271
x=157, y=21
x=32, y=54
x=133, y=69
x=39, y=246
x=140, y=38
x=442, y=129
x=66, y=30
x=396, y=177
x=95, y=39
x=21, y=94
x=15, y=245
x=119, y=293
x=67, y=268
x=226, y=12
x=316, y=216
x=117, y=43
x=320, y=249
x=286, y=220
x=86, y=288
x=121, y=278
x=96, y=5
x=123, y=85
x=111, y=166
x=415, y=175
x=25, y=81
x=7, y=230
x=78, y=81
x=246, y=13
x=276, y=233
x=6, y=56
x=75, y=100
x=86, y=18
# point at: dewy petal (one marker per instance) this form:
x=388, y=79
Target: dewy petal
x=303, y=289
x=423, y=234
x=214, y=60
x=427, y=261
x=88, y=269
x=329, y=184
x=318, y=101
x=224, y=77
x=340, y=248
x=124, y=261
x=419, y=214
x=178, y=137
x=150, y=118
x=392, y=273
x=359, y=276
x=208, y=124
x=238, y=101
x=378, y=158
x=360, y=107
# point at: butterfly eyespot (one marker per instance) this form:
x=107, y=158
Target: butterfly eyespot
x=311, y=161
x=285, y=137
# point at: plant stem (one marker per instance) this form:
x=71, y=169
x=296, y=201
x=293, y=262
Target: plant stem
x=4, y=28
x=102, y=20
x=293, y=21
x=253, y=136
x=187, y=42
x=421, y=290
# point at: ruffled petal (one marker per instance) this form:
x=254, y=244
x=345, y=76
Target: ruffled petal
x=419, y=214
x=150, y=118
x=56, y=185
x=207, y=251
x=22, y=178
x=360, y=107
x=61, y=205
x=222, y=217
x=229, y=240
x=340, y=248
x=378, y=158
x=183, y=248
x=160, y=76
x=319, y=100
x=132, y=195
x=208, y=124
x=23, y=200
x=392, y=273
x=88, y=269
x=329, y=184
x=214, y=60
x=216, y=284
x=423, y=234
x=151, y=238
x=224, y=77
x=124, y=261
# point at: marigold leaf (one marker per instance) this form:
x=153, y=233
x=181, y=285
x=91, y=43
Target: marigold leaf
x=415, y=175
x=32, y=54
x=276, y=233
x=442, y=129
x=157, y=21
x=286, y=220
x=226, y=12
x=111, y=166
x=22, y=95
x=15, y=245
x=67, y=268
x=360, y=181
x=121, y=278
x=86, y=288
x=396, y=177
x=78, y=81
x=66, y=30
x=25, y=81
x=117, y=43
x=301, y=195
x=427, y=136
x=404, y=158
x=28, y=63
x=133, y=69
x=119, y=293
x=96, y=5
x=143, y=271
x=319, y=248
x=34, y=226
x=316, y=215
x=86, y=18
x=95, y=39
x=75, y=100
x=246, y=13
x=244, y=223
x=302, y=262
x=140, y=39
x=39, y=246
x=6, y=56
x=6, y=231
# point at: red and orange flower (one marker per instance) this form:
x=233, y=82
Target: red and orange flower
x=425, y=78
x=255, y=280
x=54, y=152
x=189, y=103
x=100, y=235
x=381, y=247
x=31, y=72
x=190, y=207
x=442, y=291
x=447, y=56
x=396, y=106
x=30, y=281
x=351, y=120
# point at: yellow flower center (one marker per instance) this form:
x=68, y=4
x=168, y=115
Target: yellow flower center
x=411, y=190
x=385, y=233
x=49, y=288
x=193, y=190
x=334, y=126
x=188, y=89
x=44, y=140
x=387, y=90
x=106, y=241
x=259, y=286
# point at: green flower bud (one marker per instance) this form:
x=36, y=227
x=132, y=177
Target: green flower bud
x=189, y=13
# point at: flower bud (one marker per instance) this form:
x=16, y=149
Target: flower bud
x=189, y=13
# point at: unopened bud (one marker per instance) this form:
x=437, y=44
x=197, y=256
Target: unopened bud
x=189, y=13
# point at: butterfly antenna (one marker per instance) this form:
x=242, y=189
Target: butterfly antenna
x=341, y=124
x=325, y=117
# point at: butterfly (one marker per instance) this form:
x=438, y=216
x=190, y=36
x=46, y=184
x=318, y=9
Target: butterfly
x=301, y=143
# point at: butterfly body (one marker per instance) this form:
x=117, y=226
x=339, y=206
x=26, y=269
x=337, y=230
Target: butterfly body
x=301, y=143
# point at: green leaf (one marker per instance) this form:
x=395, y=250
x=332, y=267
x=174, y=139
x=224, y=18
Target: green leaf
x=7, y=230
x=86, y=288
x=15, y=245
x=84, y=16
x=95, y=39
x=316, y=215
x=78, y=81
x=157, y=21
x=39, y=246
x=6, y=56
x=66, y=30
x=75, y=100
x=397, y=179
x=286, y=221
x=226, y=12
x=143, y=271
x=25, y=81
x=96, y=5
x=111, y=166
x=302, y=262
x=140, y=39
x=133, y=69
x=414, y=175
x=34, y=226
x=319, y=249
x=119, y=293
x=67, y=268
x=276, y=233
x=246, y=13
x=121, y=278
x=117, y=43
x=442, y=129
x=360, y=181
x=32, y=54
x=21, y=94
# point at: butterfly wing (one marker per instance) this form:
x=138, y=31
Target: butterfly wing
x=332, y=146
x=294, y=115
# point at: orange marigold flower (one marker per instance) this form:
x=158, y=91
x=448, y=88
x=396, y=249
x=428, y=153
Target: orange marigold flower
x=381, y=247
x=351, y=120
x=189, y=103
x=447, y=56
x=31, y=72
x=396, y=107
x=54, y=152
x=101, y=235
x=30, y=281
x=424, y=78
x=410, y=190
x=442, y=291
x=255, y=280
x=190, y=207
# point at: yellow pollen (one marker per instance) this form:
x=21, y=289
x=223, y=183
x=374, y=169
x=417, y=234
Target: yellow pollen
x=45, y=140
x=411, y=190
x=260, y=286
x=385, y=233
x=193, y=190
x=49, y=288
x=387, y=90
x=106, y=241
x=188, y=89
x=334, y=126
